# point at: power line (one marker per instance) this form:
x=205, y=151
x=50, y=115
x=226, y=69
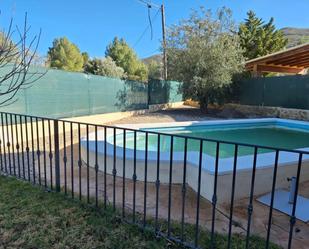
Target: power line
x=150, y=4
x=146, y=29
x=162, y=9
x=150, y=23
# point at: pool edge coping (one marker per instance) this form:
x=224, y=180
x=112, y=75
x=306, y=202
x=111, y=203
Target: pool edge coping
x=165, y=156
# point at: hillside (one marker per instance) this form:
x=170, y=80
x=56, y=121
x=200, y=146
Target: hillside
x=296, y=36
x=156, y=58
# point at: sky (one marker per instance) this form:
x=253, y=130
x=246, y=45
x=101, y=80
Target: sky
x=93, y=24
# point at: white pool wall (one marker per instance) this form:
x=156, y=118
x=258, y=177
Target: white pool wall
x=263, y=181
x=264, y=174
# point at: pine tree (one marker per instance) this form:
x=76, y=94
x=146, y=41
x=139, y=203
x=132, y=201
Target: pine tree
x=65, y=55
x=125, y=57
x=258, y=38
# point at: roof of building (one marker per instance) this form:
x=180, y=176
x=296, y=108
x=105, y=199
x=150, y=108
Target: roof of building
x=293, y=60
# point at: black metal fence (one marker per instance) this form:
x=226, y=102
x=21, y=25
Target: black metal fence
x=105, y=165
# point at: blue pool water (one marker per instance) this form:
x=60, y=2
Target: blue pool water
x=271, y=134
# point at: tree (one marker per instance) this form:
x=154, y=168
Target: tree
x=85, y=56
x=105, y=67
x=303, y=40
x=125, y=57
x=154, y=70
x=259, y=38
x=204, y=53
x=65, y=55
x=8, y=46
x=16, y=59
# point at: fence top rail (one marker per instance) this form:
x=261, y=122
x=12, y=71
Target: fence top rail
x=296, y=151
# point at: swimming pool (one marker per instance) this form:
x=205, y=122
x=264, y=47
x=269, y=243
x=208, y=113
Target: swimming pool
x=271, y=134
x=284, y=134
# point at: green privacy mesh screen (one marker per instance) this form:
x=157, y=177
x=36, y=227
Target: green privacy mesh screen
x=66, y=94
x=285, y=91
x=161, y=91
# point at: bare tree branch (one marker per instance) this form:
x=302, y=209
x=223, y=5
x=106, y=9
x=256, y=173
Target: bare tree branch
x=16, y=60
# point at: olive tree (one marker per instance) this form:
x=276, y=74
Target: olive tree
x=104, y=67
x=204, y=53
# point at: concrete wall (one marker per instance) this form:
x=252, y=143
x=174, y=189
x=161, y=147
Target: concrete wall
x=263, y=178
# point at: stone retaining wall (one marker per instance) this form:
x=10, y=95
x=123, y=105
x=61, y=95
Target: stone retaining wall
x=267, y=111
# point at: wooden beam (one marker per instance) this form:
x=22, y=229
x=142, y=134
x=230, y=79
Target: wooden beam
x=254, y=71
x=278, y=69
x=284, y=66
x=281, y=55
x=295, y=60
x=296, y=63
x=305, y=65
x=289, y=56
x=249, y=67
x=288, y=60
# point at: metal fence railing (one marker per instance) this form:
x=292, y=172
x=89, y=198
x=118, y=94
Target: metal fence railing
x=144, y=175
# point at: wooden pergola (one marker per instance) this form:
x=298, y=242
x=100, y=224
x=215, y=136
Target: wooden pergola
x=294, y=60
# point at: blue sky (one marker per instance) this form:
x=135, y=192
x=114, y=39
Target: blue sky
x=93, y=24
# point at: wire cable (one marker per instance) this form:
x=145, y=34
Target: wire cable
x=150, y=23
x=149, y=3
x=146, y=29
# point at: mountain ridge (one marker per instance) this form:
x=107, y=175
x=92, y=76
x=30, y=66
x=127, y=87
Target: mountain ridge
x=295, y=36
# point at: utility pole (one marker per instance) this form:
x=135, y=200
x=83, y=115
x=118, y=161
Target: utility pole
x=164, y=44
x=164, y=59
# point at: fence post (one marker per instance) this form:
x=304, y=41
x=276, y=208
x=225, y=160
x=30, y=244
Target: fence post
x=57, y=157
x=148, y=93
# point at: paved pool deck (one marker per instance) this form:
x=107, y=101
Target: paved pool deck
x=280, y=222
x=180, y=114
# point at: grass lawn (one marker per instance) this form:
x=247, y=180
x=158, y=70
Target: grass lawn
x=33, y=218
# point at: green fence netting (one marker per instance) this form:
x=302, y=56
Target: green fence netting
x=161, y=91
x=283, y=91
x=67, y=94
